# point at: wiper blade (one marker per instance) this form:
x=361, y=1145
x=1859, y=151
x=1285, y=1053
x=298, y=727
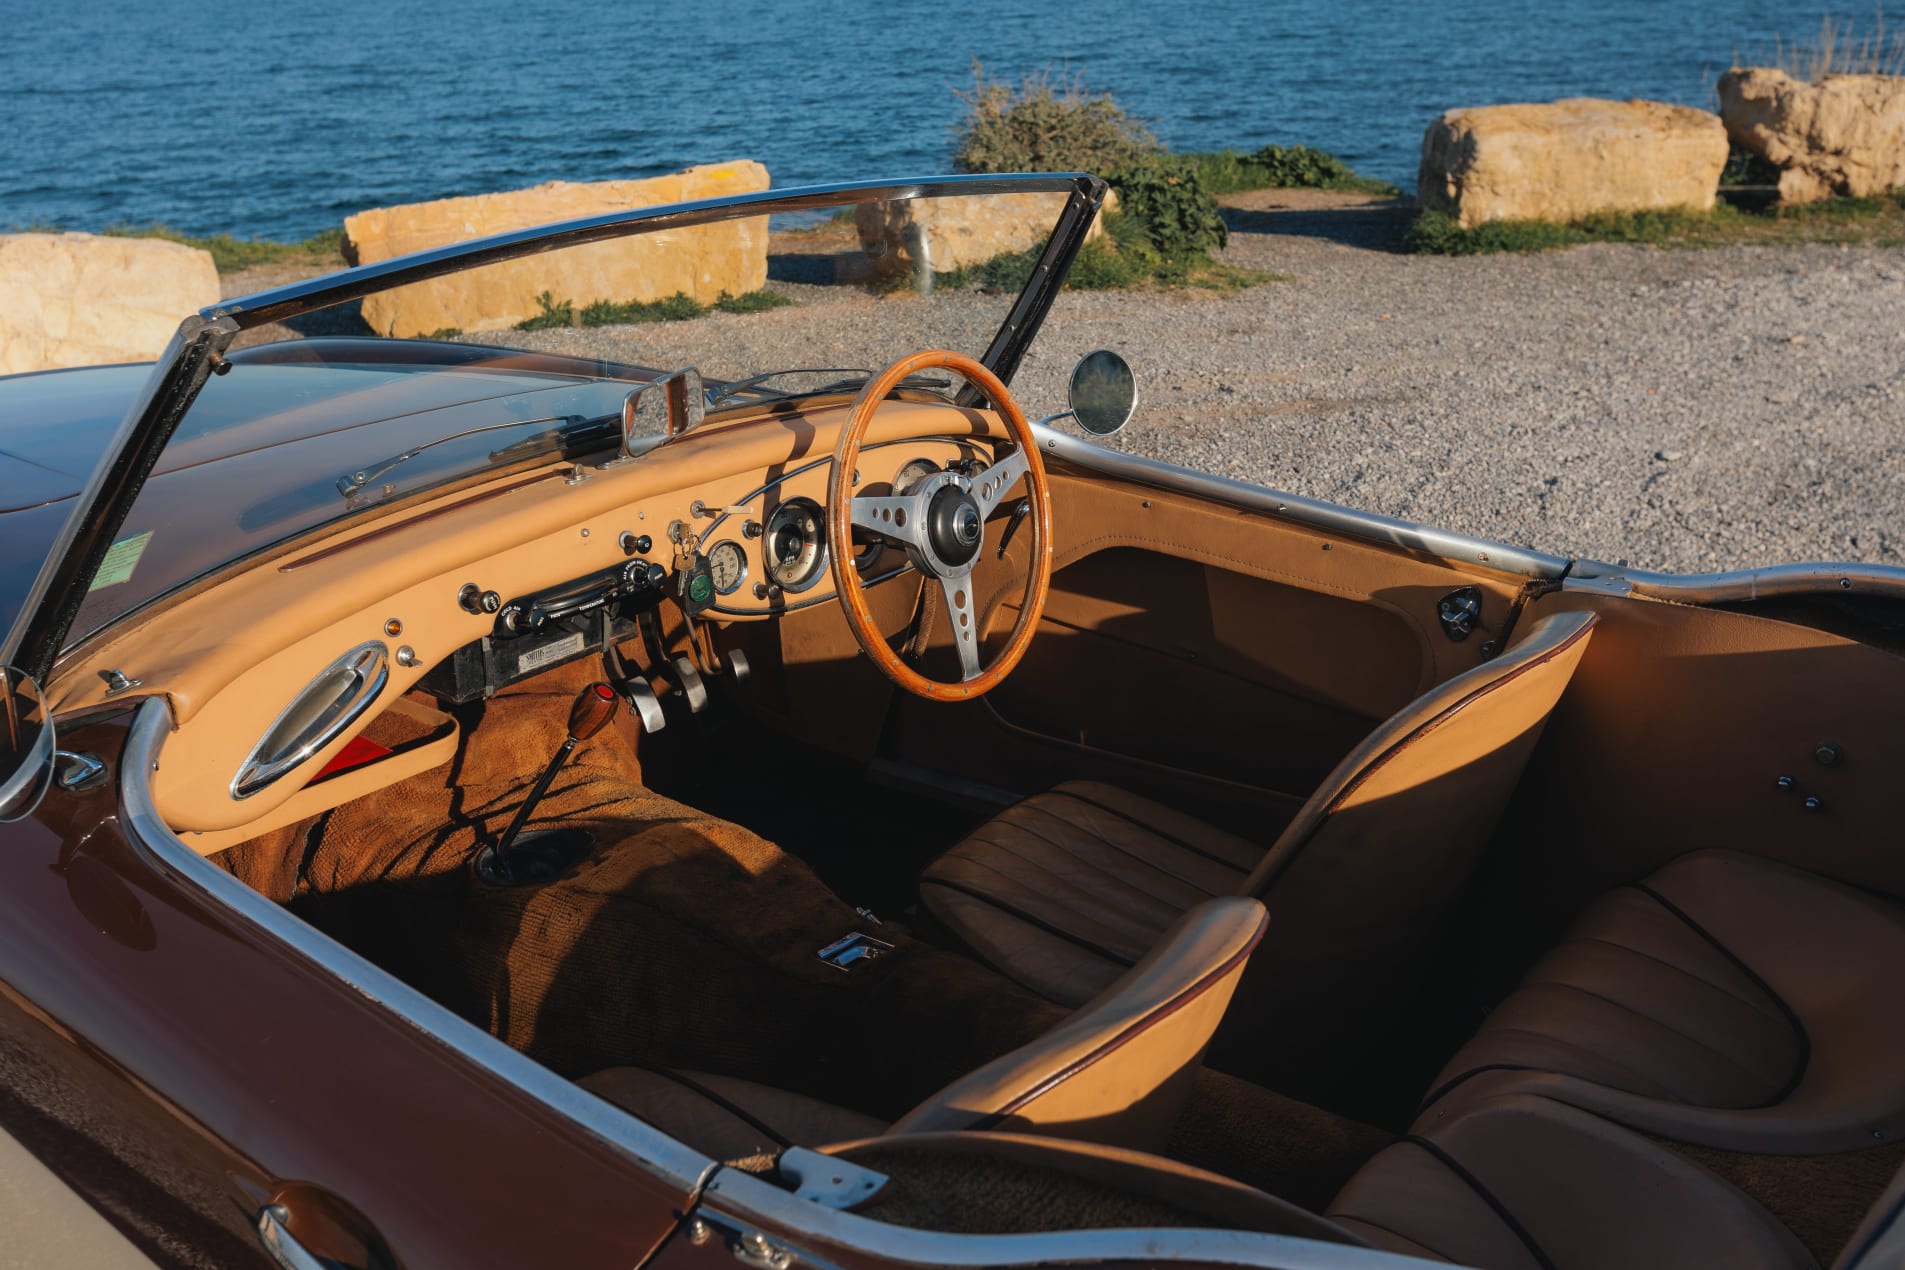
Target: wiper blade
x=352, y=483
x=855, y=376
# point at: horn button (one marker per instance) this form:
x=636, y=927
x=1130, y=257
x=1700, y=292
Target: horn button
x=954, y=526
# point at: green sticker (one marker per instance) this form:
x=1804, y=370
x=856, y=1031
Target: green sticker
x=121, y=559
x=700, y=588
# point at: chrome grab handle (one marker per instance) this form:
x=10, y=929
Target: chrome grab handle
x=273, y=1233
x=318, y=715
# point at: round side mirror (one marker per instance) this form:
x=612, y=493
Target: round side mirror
x=26, y=745
x=1104, y=392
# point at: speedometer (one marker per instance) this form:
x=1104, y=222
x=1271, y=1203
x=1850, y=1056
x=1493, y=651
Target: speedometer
x=795, y=545
x=727, y=565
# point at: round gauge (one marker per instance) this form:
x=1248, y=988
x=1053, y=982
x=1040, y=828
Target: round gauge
x=727, y=565
x=915, y=471
x=795, y=545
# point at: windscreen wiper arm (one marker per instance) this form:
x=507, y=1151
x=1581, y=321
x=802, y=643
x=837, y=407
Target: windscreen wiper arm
x=855, y=376
x=353, y=482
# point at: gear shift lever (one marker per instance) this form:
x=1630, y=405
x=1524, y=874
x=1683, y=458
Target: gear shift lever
x=543, y=854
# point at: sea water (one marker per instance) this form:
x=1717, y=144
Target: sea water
x=275, y=118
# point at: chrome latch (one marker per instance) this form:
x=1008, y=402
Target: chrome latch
x=853, y=951
x=1460, y=612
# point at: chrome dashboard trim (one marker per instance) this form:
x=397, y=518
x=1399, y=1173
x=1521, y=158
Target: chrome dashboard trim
x=1386, y=530
x=754, y=1212
x=154, y=841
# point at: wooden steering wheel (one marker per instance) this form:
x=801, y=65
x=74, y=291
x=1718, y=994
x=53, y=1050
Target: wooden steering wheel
x=941, y=521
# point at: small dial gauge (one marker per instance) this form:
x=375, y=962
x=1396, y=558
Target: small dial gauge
x=795, y=545
x=915, y=471
x=727, y=565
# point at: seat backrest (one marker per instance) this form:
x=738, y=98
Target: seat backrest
x=1362, y=877
x=1116, y=1071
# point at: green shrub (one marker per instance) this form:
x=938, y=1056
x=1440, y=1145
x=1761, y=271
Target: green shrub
x=753, y=301
x=1049, y=122
x=678, y=307
x=1302, y=167
x=1164, y=205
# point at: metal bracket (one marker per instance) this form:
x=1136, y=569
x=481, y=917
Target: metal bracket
x=828, y=1181
x=1460, y=611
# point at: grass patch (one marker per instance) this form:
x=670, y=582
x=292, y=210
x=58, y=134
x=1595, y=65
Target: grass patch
x=1120, y=259
x=679, y=307
x=1875, y=221
x=1282, y=168
x=231, y=254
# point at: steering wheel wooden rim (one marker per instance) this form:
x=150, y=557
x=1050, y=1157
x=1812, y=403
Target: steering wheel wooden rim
x=840, y=551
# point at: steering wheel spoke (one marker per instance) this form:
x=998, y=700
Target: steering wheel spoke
x=957, y=588
x=997, y=481
x=901, y=518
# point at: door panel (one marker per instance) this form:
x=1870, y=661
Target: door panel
x=1163, y=659
x=1215, y=659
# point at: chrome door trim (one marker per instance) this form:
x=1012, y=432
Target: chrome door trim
x=749, y=1212
x=1389, y=531
x=1745, y=585
x=155, y=842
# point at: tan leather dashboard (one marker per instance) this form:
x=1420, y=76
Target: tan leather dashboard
x=230, y=655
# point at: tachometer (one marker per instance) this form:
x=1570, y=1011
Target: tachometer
x=727, y=565
x=795, y=544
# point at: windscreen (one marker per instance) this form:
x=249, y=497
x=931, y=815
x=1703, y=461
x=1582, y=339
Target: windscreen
x=516, y=364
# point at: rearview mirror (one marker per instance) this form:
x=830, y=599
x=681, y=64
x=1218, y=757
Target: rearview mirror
x=1104, y=392
x=26, y=745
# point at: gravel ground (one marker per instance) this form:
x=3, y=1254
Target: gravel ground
x=1670, y=409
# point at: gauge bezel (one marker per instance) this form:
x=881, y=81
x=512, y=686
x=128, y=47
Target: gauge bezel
x=728, y=544
x=815, y=571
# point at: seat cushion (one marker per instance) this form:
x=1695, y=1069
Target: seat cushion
x=1728, y=1001
x=729, y=1119
x=1068, y=889
x=1523, y=1183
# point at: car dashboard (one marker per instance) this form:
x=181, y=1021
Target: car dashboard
x=668, y=556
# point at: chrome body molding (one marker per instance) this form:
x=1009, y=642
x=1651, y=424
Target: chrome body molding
x=1745, y=585
x=751, y=1213
x=192, y=873
x=1387, y=530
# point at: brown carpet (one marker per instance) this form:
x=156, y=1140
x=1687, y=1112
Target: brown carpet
x=1821, y=1198
x=681, y=940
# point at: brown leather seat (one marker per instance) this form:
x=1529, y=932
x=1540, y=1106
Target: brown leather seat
x=1064, y=890
x=1116, y=1071
x=1523, y=1183
x=1728, y=1001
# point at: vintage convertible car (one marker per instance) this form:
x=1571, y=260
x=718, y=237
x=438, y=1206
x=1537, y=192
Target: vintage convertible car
x=474, y=800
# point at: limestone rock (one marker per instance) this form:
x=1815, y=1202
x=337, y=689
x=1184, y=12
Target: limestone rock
x=1842, y=135
x=85, y=300
x=1569, y=159
x=701, y=262
x=963, y=230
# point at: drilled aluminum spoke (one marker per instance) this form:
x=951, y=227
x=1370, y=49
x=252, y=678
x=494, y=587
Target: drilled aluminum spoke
x=965, y=623
x=901, y=519
x=997, y=481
